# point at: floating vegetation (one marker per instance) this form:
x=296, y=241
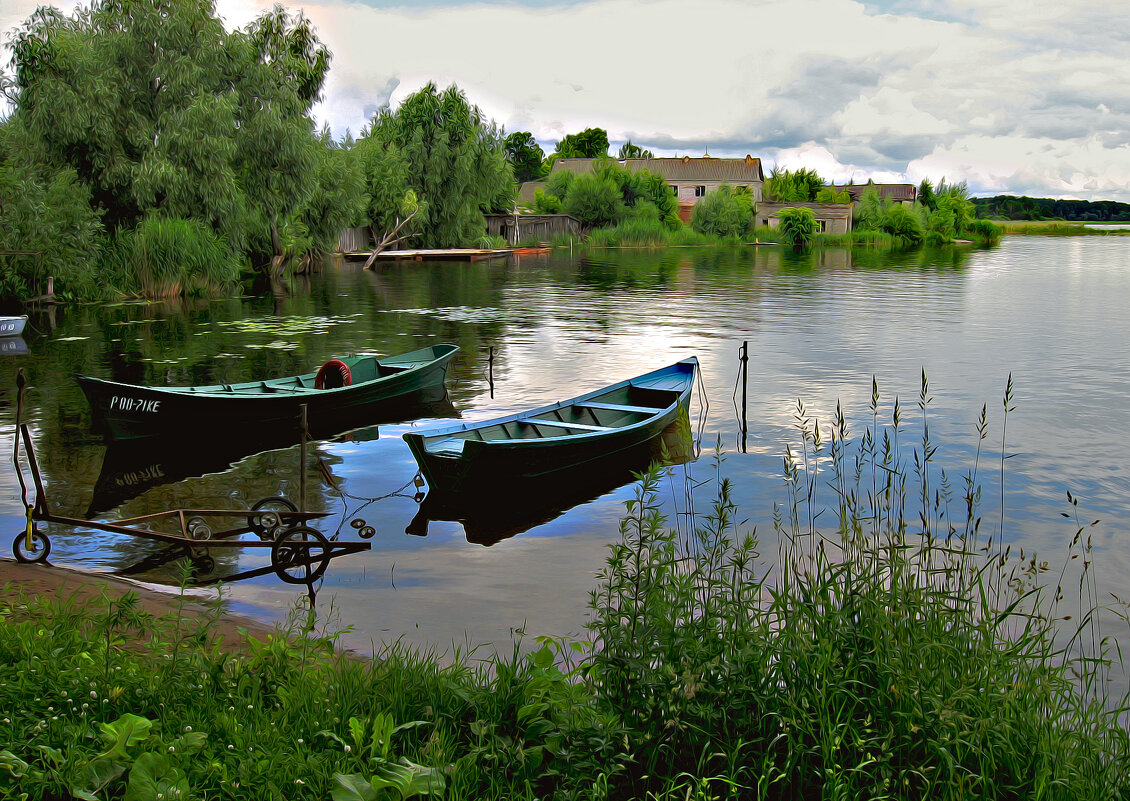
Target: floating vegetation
x=291, y=325
x=454, y=314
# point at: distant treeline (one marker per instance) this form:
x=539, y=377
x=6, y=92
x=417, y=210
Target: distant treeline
x=1011, y=207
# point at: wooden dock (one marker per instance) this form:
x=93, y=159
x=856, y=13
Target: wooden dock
x=449, y=254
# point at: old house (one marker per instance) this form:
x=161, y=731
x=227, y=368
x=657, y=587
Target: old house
x=831, y=218
x=689, y=178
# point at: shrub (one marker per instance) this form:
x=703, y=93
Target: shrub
x=902, y=222
x=594, y=200
x=797, y=226
x=175, y=257
x=723, y=213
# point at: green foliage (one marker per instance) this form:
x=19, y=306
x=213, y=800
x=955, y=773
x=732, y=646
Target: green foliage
x=723, y=213
x=926, y=195
x=641, y=187
x=526, y=156
x=986, y=232
x=590, y=143
x=903, y=223
x=791, y=186
x=827, y=194
x=546, y=202
x=1012, y=207
x=452, y=159
x=874, y=213
x=173, y=257
x=158, y=110
x=797, y=226
x=631, y=151
x=48, y=213
x=338, y=199
x=855, y=664
x=594, y=200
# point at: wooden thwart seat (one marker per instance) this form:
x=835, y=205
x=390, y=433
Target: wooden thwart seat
x=617, y=407
x=537, y=421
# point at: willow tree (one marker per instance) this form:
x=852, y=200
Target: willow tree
x=163, y=113
x=451, y=158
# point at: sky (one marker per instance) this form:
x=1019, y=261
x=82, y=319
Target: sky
x=1012, y=96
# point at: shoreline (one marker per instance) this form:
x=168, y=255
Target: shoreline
x=54, y=581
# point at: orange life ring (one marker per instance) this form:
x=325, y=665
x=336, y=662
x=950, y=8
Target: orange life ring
x=333, y=374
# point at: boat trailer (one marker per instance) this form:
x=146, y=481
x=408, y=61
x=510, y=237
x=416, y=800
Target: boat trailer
x=300, y=554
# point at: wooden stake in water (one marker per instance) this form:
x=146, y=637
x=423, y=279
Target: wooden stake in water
x=490, y=371
x=302, y=462
x=745, y=384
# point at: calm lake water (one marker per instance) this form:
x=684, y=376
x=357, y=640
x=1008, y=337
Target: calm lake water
x=1050, y=311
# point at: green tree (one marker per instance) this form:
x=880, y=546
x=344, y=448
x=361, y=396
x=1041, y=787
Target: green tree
x=595, y=200
x=631, y=151
x=590, y=143
x=455, y=160
x=47, y=214
x=723, y=212
x=638, y=186
x=926, y=195
x=828, y=194
x=798, y=226
x=159, y=110
x=526, y=156
x=791, y=186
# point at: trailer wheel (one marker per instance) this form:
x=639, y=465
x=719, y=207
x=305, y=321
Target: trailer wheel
x=265, y=520
x=40, y=547
x=300, y=555
x=197, y=528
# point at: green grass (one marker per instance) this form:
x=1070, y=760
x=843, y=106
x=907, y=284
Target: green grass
x=1055, y=228
x=883, y=642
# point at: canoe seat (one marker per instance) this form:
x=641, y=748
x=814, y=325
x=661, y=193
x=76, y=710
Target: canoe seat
x=618, y=407
x=452, y=446
x=578, y=426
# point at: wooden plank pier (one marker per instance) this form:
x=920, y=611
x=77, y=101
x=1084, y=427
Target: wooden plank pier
x=448, y=254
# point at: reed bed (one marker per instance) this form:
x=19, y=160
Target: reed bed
x=893, y=647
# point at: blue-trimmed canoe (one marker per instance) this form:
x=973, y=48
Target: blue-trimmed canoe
x=562, y=437
x=347, y=388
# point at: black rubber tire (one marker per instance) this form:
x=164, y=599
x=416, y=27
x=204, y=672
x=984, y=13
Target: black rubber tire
x=197, y=528
x=40, y=542
x=297, y=563
x=267, y=527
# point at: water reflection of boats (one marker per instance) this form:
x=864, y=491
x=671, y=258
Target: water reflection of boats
x=499, y=511
x=131, y=467
x=12, y=346
x=544, y=442
x=342, y=386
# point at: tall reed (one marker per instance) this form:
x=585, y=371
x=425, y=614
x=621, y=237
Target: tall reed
x=891, y=650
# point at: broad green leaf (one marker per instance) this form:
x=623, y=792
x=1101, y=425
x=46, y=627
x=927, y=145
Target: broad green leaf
x=352, y=787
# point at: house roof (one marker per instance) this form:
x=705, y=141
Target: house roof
x=685, y=168
x=886, y=191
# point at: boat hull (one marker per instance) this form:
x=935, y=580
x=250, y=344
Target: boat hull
x=492, y=463
x=12, y=326
x=129, y=411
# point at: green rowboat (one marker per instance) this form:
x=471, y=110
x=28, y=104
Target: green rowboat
x=347, y=388
x=562, y=437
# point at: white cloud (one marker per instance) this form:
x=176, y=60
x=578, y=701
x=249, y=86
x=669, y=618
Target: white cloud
x=924, y=87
